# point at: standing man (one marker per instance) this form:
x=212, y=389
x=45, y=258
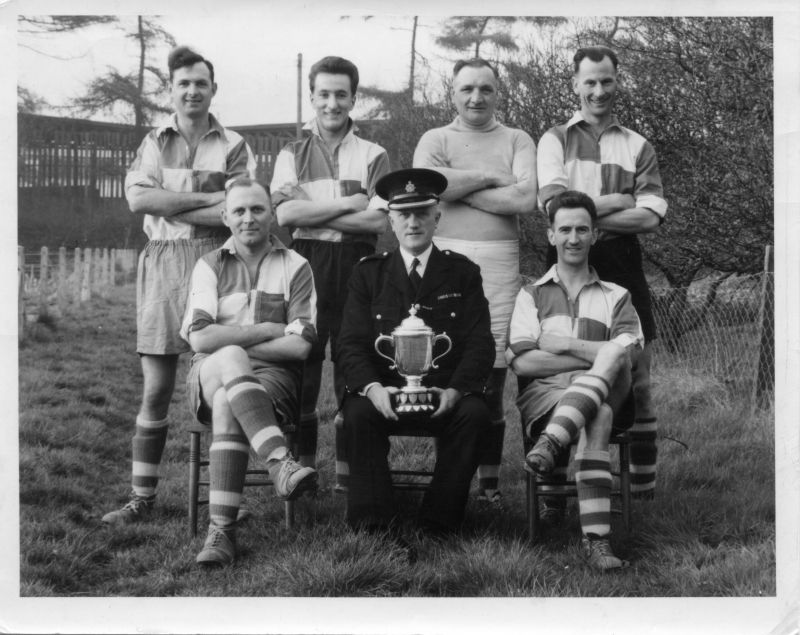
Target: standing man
x=445, y=289
x=176, y=182
x=250, y=320
x=574, y=335
x=321, y=187
x=491, y=180
x=617, y=167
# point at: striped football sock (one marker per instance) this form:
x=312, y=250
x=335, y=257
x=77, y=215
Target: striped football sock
x=491, y=455
x=644, y=453
x=307, y=439
x=593, y=480
x=148, y=446
x=252, y=407
x=577, y=405
x=227, y=468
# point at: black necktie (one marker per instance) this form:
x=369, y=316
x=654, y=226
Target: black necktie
x=414, y=276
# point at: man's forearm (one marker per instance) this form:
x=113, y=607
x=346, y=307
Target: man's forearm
x=214, y=336
x=540, y=364
x=160, y=202
x=463, y=182
x=208, y=216
x=301, y=212
x=368, y=221
x=636, y=220
x=504, y=201
x=287, y=348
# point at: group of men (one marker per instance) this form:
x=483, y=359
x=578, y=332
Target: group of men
x=259, y=316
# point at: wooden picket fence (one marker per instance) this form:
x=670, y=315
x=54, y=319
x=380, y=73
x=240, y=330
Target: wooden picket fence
x=49, y=283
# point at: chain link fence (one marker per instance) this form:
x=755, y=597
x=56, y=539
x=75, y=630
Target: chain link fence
x=724, y=328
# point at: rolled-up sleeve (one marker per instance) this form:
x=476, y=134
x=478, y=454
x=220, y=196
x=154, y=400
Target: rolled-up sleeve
x=648, y=190
x=524, y=327
x=145, y=169
x=301, y=313
x=551, y=170
x=202, y=303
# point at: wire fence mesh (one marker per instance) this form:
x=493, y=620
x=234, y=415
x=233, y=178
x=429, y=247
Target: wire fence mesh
x=724, y=328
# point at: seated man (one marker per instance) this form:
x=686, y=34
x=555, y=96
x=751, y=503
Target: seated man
x=250, y=321
x=574, y=335
x=445, y=287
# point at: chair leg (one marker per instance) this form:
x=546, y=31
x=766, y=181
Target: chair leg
x=625, y=483
x=194, y=480
x=533, y=506
x=289, y=514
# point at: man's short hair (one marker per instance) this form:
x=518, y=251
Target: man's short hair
x=246, y=181
x=181, y=56
x=571, y=199
x=475, y=62
x=334, y=66
x=595, y=54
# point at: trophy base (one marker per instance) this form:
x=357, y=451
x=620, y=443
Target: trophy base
x=414, y=402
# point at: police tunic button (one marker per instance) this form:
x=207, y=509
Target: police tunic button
x=378, y=317
x=452, y=315
x=385, y=253
x=447, y=251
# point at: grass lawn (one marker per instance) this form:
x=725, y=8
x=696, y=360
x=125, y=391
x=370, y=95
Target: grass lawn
x=709, y=532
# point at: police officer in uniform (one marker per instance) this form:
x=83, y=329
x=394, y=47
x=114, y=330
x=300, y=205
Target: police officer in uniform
x=445, y=289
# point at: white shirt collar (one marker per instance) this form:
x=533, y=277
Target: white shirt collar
x=423, y=259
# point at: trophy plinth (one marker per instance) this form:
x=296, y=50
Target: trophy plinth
x=413, y=343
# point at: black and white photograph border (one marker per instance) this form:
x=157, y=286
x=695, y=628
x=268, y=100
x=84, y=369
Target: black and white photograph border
x=777, y=615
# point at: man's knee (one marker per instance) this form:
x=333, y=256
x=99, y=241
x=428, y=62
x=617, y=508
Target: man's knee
x=231, y=357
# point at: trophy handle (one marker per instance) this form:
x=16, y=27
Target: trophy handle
x=441, y=336
x=384, y=338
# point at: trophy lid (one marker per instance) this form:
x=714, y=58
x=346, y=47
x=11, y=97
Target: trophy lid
x=412, y=325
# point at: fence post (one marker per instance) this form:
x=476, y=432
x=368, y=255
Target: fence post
x=104, y=281
x=77, y=277
x=20, y=293
x=44, y=262
x=61, y=282
x=765, y=369
x=86, y=281
x=112, y=267
x=97, y=271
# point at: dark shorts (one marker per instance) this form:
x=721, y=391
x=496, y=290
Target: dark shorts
x=619, y=260
x=331, y=263
x=281, y=383
x=623, y=420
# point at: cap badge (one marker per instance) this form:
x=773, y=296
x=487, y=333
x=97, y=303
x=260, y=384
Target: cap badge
x=410, y=187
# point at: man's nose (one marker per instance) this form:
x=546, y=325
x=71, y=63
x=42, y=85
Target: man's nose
x=330, y=102
x=476, y=96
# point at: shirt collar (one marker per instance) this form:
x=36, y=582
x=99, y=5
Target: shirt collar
x=459, y=125
x=552, y=276
x=578, y=118
x=229, y=246
x=313, y=126
x=213, y=126
x=423, y=259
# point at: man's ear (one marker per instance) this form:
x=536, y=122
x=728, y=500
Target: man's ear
x=575, y=84
x=213, y=89
x=594, y=234
x=551, y=236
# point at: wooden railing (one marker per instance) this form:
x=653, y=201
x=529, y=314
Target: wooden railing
x=49, y=284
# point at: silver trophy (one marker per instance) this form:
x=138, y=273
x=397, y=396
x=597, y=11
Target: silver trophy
x=413, y=343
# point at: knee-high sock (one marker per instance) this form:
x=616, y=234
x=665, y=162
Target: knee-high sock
x=307, y=439
x=577, y=405
x=252, y=407
x=644, y=453
x=593, y=479
x=227, y=468
x=491, y=455
x=148, y=446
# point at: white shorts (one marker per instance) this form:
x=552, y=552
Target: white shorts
x=499, y=263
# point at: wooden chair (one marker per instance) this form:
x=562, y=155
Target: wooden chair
x=402, y=479
x=256, y=477
x=537, y=486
